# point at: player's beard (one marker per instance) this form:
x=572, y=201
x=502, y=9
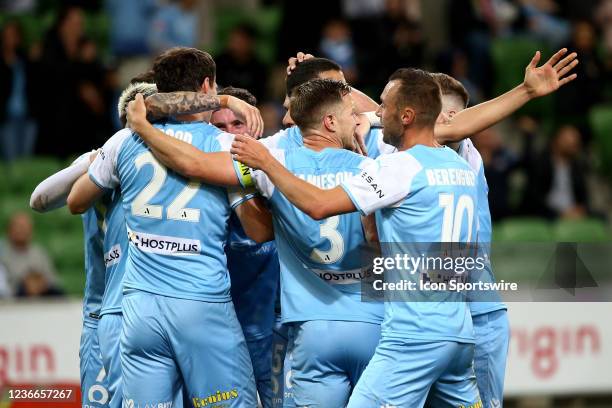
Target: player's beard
x=392, y=133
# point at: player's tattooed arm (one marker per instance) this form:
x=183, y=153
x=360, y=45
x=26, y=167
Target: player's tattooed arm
x=214, y=168
x=164, y=105
x=538, y=82
x=316, y=202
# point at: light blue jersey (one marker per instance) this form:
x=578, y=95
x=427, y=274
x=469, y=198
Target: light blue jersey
x=285, y=139
x=115, y=250
x=491, y=327
x=415, y=194
x=421, y=196
x=483, y=302
x=177, y=228
x=176, y=281
x=94, y=266
x=321, y=266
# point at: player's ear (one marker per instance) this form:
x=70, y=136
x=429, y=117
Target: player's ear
x=207, y=85
x=408, y=116
x=329, y=121
x=451, y=113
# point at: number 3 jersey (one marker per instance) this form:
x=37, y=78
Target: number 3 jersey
x=421, y=196
x=320, y=261
x=177, y=228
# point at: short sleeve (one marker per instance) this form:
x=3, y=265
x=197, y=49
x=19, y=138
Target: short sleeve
x=383, y=182
x=103, y=170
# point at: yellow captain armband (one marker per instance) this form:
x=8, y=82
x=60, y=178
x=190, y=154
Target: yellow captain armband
x=244, y=174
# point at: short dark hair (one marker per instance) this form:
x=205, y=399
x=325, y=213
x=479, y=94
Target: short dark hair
x=148, y=77
x=309, y=101
x=450, y=86
x=183, y=69
x=307, y=70
x=239, y=93
x=419, y=90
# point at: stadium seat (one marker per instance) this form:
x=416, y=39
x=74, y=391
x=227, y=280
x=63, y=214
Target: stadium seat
x=589, y=230
x=600, y=119
x=524, y=229
x=24, y=174
x=510, y=57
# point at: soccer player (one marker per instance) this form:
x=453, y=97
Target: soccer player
x=426, y=347
x=321, y=269
x=489, y=314
x=179, y=324
x=254, y=271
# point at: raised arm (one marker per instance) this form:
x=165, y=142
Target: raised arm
x=163, y=105
x=539, y=81
x=316, y=202
x=213, y=168
x=52, y=192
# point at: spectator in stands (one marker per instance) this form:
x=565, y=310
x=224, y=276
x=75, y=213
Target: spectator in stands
x=337, y=45
x=130, y=22
x=17, y=96
x=95, y=93
x=174, y=24
x=585, y=91
x=59, y=135
x=20, y=255
x=239, y=65
x=499, y=163
x=557, y=178
x=36, y=284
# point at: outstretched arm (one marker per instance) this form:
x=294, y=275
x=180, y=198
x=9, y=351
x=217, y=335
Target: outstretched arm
x=539, y=81
x=163, y=105
x=316, y=202
x=52, y=192
x=213, y=168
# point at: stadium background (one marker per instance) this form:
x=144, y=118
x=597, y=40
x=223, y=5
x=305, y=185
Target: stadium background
x=76, y=56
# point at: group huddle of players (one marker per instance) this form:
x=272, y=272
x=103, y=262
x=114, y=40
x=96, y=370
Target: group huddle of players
x=186, y=192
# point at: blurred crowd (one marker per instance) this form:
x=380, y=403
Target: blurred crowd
x=58, y=90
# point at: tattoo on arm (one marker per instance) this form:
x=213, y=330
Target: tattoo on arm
x=162, y=105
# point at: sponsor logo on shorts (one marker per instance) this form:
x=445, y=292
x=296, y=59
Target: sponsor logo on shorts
x=129, y=403
x=476, y=405
x=113, y=256
x=164, y=245
x=216, y=400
